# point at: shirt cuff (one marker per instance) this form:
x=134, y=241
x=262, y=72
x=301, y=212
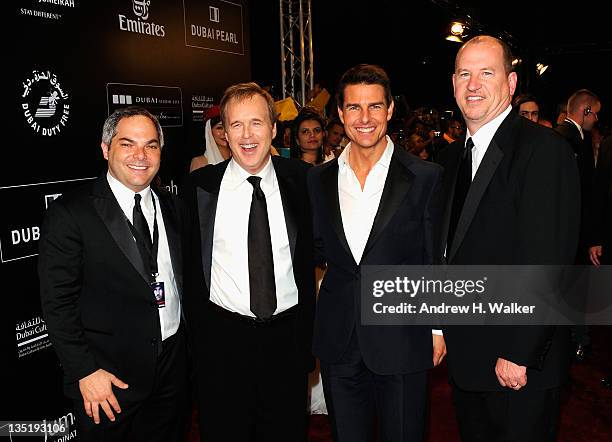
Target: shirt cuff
x=436, y=332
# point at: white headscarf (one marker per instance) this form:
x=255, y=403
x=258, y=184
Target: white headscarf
x=212, y=153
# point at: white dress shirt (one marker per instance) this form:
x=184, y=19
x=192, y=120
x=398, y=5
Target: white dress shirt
x=170, y=315
x=358, y=207
x=229, y=273
x=579, y=127
x=482, y=138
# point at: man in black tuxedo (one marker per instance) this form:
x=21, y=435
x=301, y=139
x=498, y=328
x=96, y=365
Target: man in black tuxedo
x=600, y=220
x=252, y=303
x=582, y=113
x=600, y=241
x=583, y=108
x=110, y=269
x=373, y=205
x=512, y=198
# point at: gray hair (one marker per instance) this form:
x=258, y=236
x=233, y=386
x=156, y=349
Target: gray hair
x=109, y=129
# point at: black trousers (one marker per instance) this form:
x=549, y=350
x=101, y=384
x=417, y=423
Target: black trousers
x=355, y=395
x=253, y=386
x=158, y=418
x=507, y=416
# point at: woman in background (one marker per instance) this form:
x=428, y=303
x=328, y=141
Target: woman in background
x=307, y=136
x=216, y=147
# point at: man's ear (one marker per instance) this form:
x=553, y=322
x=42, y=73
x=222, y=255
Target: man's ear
x=105, y=148
x=390, y=110
x=512, y=81
x=340, y=114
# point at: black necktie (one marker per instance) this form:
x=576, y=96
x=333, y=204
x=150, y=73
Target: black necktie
x=140, y=223
x=261, y=263
x=462, y=185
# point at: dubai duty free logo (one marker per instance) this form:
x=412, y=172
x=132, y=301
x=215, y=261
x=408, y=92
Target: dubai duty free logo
x=45, y=103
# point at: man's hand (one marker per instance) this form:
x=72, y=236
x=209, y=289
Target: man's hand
x=97, y=390
x=594, y=254
x=510, y=375
x=439, y=349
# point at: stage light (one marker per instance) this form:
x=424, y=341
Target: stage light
x=458, y=31
x=454, y=38
x=541, y=68
x=457, y=28
x=516, y=62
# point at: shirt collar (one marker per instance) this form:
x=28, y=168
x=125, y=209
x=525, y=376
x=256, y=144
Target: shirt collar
x=384, y=160
x=125, y=195
x=482, y=138
x=579, y=127
x=237, y=175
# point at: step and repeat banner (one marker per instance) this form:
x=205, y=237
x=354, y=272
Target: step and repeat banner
x=70, y=64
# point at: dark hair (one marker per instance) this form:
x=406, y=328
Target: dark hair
x=214, y=121
x=446, y=124
x=333, y=122
x=524, y=98
x=109, y=130
x=306, y=114
x=364, y=74
x=245, y=91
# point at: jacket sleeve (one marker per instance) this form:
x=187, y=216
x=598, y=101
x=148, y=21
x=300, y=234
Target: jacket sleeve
x=60, y=275
x=549, y=222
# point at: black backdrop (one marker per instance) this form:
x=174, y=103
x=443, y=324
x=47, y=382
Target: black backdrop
x=71, y=64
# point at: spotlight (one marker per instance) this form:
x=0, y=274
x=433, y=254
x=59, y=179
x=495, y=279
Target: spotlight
x=541, y=68
x=458, y=31
x=454, y=38
x=457, y=28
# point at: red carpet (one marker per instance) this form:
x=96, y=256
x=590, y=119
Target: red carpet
x=586, y=409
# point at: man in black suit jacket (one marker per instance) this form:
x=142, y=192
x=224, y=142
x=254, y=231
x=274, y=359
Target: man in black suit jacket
x=512, y=198
x=583, y=108
x=106, y=251
x=600, y=218
x=374, y=205
x=582, y=113
x=253, y=281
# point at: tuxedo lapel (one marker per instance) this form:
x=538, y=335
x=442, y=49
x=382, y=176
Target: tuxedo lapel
x=171, y=224
x=289, y=198
x=397, y=185
x=452, y=167
x=110, y=212
x=479, y=185
x=207, y=196
x=329, y=188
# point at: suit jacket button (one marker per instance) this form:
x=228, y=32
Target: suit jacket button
x=153, y=341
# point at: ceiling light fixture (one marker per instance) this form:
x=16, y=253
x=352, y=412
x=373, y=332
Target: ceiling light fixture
x=458, y=31
x=541, y=68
